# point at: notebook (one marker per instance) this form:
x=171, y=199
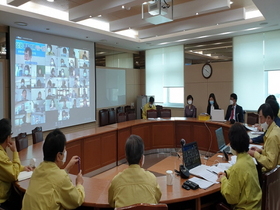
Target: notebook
x=218, y=115
x=221, y=141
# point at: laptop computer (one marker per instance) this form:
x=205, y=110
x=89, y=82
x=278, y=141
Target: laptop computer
x=221, y=140
x=191, y=155
x=218, y=115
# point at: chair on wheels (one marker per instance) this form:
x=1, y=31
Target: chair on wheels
x=159, y=107
x=21, y=141
x=112, y=116
x=152, y=113
x=271, y=189
x=165, y=113
x=131, y=115
x=103, y=117
x=252, y=118
x=144, y=206
x=37, y=135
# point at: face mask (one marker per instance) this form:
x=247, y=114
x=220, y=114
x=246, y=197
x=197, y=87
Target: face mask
x=71, y=64
x=151, y=105
x=65, y=156
x=211, y=102
x=143, y=160
x=26, y=72
x=189, y=101
x=52, y=63
x=264, y=126
x=49, y=49
x=233, y=151
x=85, y=74
x=22, y=84
x=230, y=102
x=62, y=74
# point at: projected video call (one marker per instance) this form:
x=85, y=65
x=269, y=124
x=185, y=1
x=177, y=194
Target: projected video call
x=51, y=83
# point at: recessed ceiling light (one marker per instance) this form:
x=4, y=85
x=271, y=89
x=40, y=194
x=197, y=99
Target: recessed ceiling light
x=99, y=16
x=50, y=0
x=90, y=16
x=231, y=2
x=123, y=7
x=196, y=13
x=21, y=23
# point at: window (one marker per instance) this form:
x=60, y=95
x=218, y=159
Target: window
x=173, y=97
x=272, y=84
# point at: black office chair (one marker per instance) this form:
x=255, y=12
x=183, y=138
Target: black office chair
x=103, y=117
x=165, y=113
x=21, y=141
x=112, y=116
x=131, y=115
x=37, y=135
x=121, y=117
x=152, y=113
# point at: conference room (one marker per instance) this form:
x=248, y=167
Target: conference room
x=232, y=75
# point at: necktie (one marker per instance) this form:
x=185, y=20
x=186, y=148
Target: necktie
x=231, y=115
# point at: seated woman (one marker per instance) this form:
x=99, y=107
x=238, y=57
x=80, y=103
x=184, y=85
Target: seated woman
x=190, y=109
x=240, y=183
x=212, y=103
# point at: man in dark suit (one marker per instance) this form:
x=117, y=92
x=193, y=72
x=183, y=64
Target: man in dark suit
x=234, y=111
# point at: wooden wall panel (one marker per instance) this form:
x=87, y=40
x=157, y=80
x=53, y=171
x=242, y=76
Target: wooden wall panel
x=144, y=132
x=92, y=153
x=108, y=148
x=163, y=135
x=123, y=134
x=183, y=131
x=74, y=148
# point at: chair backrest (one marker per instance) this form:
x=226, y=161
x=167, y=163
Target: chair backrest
x=103, y=117
x=119, y=109
x=152, y=113
x=271, y=189
x=112, y=116
x=131, y=115
x=145, y=206
x=165, y=113
x=21, y=141
x=121, y=117
x=127, y=108
x=37, y=135
x=159, y=107
x=252, y=118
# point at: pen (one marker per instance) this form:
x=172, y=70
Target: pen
x=212, y=171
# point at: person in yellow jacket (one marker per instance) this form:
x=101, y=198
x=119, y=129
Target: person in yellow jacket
x=50, y=187
x=269, y=156
x=148, y=106
x=240, y=183
x=9, y=169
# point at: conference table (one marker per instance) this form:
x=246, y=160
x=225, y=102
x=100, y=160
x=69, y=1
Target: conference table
x=101, y=147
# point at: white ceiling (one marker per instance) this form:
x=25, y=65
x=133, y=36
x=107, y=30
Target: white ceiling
x=216, y=20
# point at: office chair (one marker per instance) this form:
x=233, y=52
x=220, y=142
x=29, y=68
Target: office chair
x=252, y=118
x=103, y=117
x=144, y=206
x=37, y=135
x=112, y=116
x=131, y=115
x=121, y=117
x=152, y=113
x=159, y=107
x=21, y=141
x=165, y=113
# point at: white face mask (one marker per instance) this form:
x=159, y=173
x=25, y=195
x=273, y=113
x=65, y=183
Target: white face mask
x=189, y=101
x=211, y=102
x=232, y=151
x=64, y=158
x=49, y=49
x=26, y=72
x=264, y=126
x=230, y=102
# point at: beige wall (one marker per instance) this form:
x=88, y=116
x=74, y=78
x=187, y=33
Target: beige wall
x=220, y=83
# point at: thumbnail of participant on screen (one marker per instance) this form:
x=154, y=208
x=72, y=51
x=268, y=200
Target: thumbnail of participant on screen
x=84, y=95
x=26, y=71
x=50, y=105
x=52, y=63
x=40, y=72
x=85, y=73
x=22, y=84
x=76, y=83
x=38, y=106
x=24, y=95
x=64, y=95
x=74, y=103
x=64, y=105
x=39, y=97
x=37, y=119
x=61, y=73
x=72, y=62
x=22, y=109
x=40, y=83
x=51, y=94
x=85, y=104
x=64, y=85
x=27, y=54
x=65, y=115
x=64, y=51
x=62, y=63
x=85, y=56
x=74, y=93
x=49, y=50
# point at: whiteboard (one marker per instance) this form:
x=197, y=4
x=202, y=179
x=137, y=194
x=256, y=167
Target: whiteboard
x=110, y=87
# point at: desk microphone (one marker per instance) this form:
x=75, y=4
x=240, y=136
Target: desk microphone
x=184, y=172
x=183, y=142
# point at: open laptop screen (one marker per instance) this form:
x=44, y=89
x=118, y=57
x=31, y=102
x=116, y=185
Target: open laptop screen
x=191, y=155
x=220, y=138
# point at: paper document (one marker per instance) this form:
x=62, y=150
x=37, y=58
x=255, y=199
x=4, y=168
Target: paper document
x=255, y=145
x=203, y=172
x=24, y=175
x=203, y=184
x=251, y=128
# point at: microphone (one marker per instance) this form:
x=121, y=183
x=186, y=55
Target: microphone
x=183, y=142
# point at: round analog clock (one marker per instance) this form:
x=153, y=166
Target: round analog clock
x=207, y=70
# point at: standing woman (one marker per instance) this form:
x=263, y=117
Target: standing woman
x=212, y=103
x=190, y=109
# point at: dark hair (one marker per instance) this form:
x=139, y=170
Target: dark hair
x=238, y=137
x=39, y=93
x=216, y=106
x=26, y=67
x=234, y=96
x=266, y=110
x=151, y=100
x=54, y=143
x=134, y=149
x=5, y=129
x=22, y=80
x=49, y=46
x=28, y=49
x=274, y=106
x=189, y=97
x=270, y=97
